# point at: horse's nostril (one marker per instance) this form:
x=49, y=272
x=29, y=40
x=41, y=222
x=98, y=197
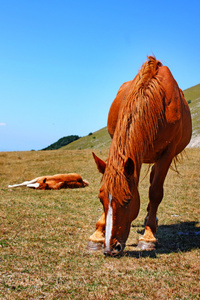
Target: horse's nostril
x=116, y=250
x=107, y=253
x=118, y=247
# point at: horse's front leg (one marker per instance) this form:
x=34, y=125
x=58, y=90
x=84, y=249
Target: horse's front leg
x=157, y=177
x=96, y=240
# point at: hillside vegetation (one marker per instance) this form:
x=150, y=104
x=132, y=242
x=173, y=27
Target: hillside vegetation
x=62, y=142
x=97, y=140
x=192, y=95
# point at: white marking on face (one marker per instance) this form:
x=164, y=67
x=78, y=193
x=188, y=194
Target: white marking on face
x=109, y=225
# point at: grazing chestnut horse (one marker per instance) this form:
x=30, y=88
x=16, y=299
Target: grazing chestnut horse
x=149, y=122
x=55, y=182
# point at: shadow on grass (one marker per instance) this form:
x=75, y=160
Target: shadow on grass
x=183, y=237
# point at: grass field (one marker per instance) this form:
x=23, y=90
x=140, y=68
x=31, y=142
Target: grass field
x=43, y=234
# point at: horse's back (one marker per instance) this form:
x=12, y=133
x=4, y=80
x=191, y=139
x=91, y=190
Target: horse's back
x=61, y=177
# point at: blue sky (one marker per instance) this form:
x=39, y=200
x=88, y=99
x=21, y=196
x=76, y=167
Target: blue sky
x=62, y=62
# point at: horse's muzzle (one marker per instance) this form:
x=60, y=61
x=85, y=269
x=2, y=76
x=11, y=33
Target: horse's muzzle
x=115, y=251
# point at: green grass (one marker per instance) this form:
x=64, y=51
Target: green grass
x=193, y=94
x=43, y=234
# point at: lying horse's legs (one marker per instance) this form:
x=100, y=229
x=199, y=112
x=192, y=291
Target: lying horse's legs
x=158, y=174
x=96, y=240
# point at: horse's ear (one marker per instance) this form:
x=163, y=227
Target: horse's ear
x=129, y=167
x=101, y=165
x=44, y=180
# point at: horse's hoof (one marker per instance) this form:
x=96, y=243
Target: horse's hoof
x=146, y=246
x=92, y=246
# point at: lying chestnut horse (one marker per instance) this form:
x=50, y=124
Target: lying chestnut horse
x=55, y=182
x=149, y=122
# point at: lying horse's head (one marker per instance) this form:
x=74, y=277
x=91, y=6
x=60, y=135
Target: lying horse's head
x=121, y=203
x=43, y=185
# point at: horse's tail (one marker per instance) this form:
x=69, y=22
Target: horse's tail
x=146, y=81
x=148, y=70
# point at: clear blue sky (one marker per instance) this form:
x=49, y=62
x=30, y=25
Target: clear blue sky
x=62, y=62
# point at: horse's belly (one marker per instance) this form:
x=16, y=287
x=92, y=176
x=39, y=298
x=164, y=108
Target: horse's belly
x=154, y=153
x=152, y=157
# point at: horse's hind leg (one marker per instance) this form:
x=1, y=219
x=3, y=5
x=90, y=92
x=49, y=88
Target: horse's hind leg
x=148, y=207
x=96, y=240
x=158, y=174
x=25, y=183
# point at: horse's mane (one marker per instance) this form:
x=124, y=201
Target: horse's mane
x=136, y=127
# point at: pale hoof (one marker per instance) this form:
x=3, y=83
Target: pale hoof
x=146, y=246
x=92, y=246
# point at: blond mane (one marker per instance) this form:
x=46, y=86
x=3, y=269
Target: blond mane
x=136, y=127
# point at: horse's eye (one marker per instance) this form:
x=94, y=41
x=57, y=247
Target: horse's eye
x=127, y=201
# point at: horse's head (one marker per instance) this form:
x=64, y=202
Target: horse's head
x=120, y=207
x=43, y=185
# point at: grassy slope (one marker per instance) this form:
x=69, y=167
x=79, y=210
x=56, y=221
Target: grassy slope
x=193, y=94
x=101, y=139
x=98, y=140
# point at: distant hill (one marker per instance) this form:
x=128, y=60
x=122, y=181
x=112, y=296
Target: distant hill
x=97, y=140
x=192, y=95
x=62, y=142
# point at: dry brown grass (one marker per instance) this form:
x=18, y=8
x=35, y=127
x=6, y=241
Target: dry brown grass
x=43, y=235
